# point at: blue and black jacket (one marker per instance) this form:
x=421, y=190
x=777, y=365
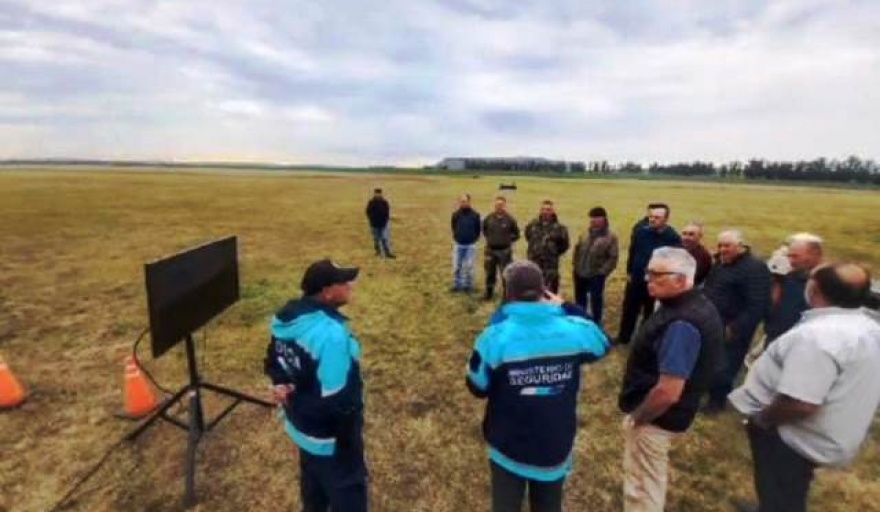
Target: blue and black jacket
x=527, y=363
x=312, y=348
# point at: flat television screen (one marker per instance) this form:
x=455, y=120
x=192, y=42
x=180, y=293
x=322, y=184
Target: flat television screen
x=186, y=290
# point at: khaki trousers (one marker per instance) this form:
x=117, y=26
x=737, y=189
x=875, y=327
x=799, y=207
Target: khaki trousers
x=645, y=466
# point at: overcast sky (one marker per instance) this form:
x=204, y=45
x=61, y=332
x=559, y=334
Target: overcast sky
x=411, y=81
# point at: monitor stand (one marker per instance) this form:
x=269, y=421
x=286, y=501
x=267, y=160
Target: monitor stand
x=196, y=426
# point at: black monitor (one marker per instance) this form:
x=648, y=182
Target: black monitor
x=186, y=290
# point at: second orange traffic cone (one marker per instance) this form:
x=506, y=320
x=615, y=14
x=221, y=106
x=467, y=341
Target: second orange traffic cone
x=11, y=391
x=140, y=400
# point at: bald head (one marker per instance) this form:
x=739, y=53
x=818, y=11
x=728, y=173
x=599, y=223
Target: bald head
x=843, y=285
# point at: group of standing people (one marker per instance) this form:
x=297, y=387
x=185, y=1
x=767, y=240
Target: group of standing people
x=808, y=400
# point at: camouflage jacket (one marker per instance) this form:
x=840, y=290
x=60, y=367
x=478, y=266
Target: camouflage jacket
x=547, y=240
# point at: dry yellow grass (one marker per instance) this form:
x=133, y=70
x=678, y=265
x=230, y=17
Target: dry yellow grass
x=72, y=245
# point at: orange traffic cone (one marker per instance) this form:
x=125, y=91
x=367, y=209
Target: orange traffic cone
x=11, y=391
x=140, y=400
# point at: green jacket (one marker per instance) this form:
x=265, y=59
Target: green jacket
x=596, y=254
x=501, y=231
x=547, y=240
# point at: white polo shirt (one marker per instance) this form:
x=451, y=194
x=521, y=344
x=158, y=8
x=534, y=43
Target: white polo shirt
x=830, y=358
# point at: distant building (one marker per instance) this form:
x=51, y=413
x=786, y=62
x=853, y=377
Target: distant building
x=520, y=163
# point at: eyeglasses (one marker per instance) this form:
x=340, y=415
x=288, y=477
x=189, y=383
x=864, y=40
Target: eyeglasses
x=655, y=274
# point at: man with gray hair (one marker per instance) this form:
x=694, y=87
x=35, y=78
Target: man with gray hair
x=739, y=287
x=527, y=364
x=788, y=302
x=675, y=353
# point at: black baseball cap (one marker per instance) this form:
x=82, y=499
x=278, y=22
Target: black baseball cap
x=324, y=273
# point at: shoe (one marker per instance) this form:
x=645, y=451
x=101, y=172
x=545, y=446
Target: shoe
x=454, y=289
x=619, y=341
x=468, y=290
x=741, y=505
x=488, y=295
x=391, y=256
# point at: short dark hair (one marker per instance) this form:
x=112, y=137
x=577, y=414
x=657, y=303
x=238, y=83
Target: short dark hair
x=845, y=285
x=523, y=281
x=377, y=190
x=664, y=206
x=547, y=202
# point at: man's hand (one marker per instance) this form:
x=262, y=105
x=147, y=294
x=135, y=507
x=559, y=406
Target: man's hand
x=281, y=393
x=552, y=298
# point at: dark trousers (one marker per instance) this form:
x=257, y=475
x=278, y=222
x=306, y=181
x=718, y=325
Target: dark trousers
x=591, y=290
x=337, y=483
x=636, y=301
x=734, y=354
x=494, y=263
x=782, y=476
x=508, y=491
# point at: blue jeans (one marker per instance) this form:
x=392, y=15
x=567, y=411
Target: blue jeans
x=381, y=240
x=463, y=257
x=591, y=290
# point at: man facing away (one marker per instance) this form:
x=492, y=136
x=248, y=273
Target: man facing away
x=547, y=241
x=501, y=231
x=787, y=293
x=636, y=300
x=673, y=358
x=692, y=241
x=739, y=287
x=465, y=234
x=313, y=361
x=379, y=216
x=527, y=364
x=595, y=258
x=811, y=397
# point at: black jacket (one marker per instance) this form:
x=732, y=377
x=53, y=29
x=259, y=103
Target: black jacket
x=740, y=290
x=466, y=226
x=642, y=367
x=644, y=241
x=378, y=211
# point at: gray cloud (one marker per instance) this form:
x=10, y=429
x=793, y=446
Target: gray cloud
x=411, y=82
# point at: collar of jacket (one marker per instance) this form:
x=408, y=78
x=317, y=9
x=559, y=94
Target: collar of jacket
x=739, y=257
x=310, y=304
x=531, y=309
x=678, y=299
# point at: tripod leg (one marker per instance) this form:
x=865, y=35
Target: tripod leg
x=196, y=427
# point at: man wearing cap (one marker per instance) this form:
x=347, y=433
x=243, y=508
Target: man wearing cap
x=379, y=215
x=313, y=360
x=527, y=364
x=595, y=257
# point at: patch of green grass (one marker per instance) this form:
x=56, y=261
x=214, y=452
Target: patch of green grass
x=72, y=301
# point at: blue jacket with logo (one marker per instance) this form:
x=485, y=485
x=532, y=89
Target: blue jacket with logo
x=312, y=348
x=527, y=363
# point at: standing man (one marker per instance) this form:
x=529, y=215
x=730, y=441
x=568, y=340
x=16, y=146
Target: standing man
x=531, y=382
x=636, y=300
x=379, y=215
x=313, y=361
x=595, y=257
x=812, y=395
x=788, y=301
x=692, y=240
x=739, y=286
x=465, y=233
x=501, y=231
x=673, y=358
x=548, y=241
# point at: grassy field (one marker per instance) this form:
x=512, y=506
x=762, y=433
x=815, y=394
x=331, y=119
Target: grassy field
x=72, y=246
